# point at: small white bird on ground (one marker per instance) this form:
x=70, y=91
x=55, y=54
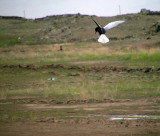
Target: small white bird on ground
x=52, y=78
x=102, y=30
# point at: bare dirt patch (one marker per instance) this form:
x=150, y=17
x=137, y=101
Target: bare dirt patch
x=85, y=127
x=87, y=119
x=89, y=105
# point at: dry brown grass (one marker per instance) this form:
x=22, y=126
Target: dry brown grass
x=78, y=52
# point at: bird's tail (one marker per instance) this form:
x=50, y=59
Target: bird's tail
x=103, y=39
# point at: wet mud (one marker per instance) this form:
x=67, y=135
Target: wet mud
x=124, y=117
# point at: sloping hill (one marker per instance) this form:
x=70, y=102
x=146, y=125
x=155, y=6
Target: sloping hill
x=71, y=28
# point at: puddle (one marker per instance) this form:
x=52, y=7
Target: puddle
x=93, y=107
x=119, y=117
x=133, y=117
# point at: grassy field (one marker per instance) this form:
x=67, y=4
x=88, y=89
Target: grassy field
x=102, y=85
x=78, y=84
x=84, y=85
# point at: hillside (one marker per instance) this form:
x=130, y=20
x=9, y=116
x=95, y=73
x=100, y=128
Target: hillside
x=74, y=27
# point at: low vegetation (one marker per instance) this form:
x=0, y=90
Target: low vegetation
x=76, y=83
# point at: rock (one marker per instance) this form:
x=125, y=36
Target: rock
x=148, y=38
x=155, y=27
x=145, y=12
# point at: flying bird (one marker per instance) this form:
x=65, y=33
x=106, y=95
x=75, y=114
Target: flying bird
x=102, y=30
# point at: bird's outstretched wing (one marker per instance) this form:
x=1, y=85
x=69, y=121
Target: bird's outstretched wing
x=112, y=25
x=96, y=23
x=103, y=39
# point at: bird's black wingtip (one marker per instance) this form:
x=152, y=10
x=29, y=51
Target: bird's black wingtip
x=93, y=19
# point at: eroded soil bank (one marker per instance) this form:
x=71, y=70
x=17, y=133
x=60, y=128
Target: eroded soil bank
x=83, y=68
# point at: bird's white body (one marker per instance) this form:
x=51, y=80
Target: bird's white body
x=103, y=39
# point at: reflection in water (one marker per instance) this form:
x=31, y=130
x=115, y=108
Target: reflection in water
x=119, y=117
x=133, y=117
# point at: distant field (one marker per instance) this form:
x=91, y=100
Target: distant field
x=74, y=28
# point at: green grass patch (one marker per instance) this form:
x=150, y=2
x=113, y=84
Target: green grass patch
x=146, y=57
x=23, y=82
x=94, y=57
x=6, y=41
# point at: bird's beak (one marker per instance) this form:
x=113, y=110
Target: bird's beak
x=95, y=31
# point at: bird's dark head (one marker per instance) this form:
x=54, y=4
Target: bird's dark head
x=98, y=29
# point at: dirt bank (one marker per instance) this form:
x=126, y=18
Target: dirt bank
x=106, y=68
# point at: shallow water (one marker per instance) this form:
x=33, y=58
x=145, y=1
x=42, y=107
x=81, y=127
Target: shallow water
x=120, y=117
x=134, y=117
